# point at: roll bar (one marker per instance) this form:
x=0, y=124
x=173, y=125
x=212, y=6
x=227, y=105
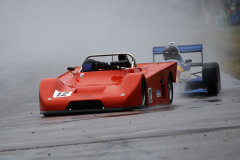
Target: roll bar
x=133, y=63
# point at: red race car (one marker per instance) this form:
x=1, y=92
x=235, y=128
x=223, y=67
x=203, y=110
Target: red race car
x=107, y=82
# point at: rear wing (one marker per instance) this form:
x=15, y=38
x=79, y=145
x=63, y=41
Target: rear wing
x=183, y=49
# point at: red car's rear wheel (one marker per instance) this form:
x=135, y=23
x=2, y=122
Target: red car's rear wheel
x=143, y=93
x=170, y=89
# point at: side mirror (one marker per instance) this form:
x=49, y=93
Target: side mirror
x=188, y=60
x=71, y=68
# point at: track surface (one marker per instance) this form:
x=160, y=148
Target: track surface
x=193, y=128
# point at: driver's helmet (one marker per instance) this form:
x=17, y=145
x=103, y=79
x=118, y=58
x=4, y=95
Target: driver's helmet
x=89, y=65
x=171, y=52
x=122, y=57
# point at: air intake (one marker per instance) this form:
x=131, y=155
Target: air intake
x=85, y=105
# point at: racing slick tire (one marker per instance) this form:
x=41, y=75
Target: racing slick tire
x=170, y=89
x=143, y=94
x=211, y=78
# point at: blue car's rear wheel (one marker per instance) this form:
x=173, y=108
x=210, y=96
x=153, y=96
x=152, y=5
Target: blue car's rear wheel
x=211, y=78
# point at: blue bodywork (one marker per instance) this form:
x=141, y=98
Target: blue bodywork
x=196, y=91
x=192, y=85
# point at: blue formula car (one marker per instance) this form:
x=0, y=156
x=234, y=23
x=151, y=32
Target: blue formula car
x=192, y=77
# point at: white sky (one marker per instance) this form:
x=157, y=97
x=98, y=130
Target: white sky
x=66, y=31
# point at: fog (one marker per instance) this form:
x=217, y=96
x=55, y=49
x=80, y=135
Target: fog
x=67, y=31
x=40, y=39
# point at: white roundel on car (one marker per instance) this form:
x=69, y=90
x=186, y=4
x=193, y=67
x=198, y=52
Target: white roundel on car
x=61, y=94
x=150, y=95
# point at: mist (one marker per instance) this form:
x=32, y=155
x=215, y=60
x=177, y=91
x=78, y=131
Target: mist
x=67, y=31
x=40, y=39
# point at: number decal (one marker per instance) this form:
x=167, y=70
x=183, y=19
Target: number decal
x=61, y=94
x=158, y=93
x=150, y=95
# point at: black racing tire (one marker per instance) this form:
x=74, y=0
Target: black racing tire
x=170, y=89
x=143, y=94
x=211, y=78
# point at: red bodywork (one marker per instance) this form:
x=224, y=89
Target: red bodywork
x=110, y=88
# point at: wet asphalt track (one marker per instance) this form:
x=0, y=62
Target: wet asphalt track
x=194, y=128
